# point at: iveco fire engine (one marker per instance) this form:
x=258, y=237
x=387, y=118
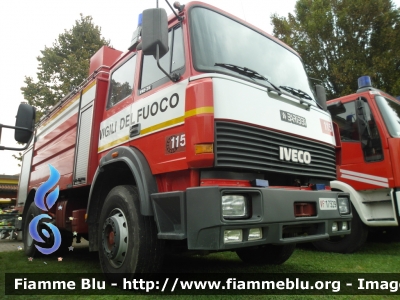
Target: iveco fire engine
x=369, y=123
x=206, y=134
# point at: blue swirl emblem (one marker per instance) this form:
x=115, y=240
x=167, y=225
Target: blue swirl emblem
x=45, y=206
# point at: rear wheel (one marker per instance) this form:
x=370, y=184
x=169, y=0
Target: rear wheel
x=348, y=243
x=29, y=245
x=266, y=255
x=29, y=242
x=128, y=242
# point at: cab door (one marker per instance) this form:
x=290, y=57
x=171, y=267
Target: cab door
x=117, y=118
x=363, y=152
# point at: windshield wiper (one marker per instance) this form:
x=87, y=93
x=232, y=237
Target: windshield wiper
x=296, y=92
x=246, y=72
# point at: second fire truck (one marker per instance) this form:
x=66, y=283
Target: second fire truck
x=369, y=125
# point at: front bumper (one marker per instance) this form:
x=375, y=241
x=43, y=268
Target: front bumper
x=196, y=215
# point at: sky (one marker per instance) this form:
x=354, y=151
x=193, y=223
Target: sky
x=27, y=26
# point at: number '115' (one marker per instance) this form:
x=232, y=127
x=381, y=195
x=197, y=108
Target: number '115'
x=178, y=140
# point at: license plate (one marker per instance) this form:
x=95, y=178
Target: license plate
x=327, y=204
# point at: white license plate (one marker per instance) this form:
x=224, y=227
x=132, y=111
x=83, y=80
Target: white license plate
x=327, y=204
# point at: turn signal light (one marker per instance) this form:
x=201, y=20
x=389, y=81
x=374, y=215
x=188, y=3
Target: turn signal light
x=204, y=148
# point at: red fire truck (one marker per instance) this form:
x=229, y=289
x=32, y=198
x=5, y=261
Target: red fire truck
x=369, y=123
x=205, y=134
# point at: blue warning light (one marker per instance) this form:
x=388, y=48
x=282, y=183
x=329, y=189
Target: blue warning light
x=140, y=19
x=364, y=81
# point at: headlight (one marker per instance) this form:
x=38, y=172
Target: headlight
x=344, y=207
x=234, y=207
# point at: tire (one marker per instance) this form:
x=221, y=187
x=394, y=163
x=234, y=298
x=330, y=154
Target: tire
x=29, y=244
x=349, y=243
x=127, y=241
x=266, y=255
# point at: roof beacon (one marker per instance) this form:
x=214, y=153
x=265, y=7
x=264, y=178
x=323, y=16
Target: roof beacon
x=364, y=81
x=136, y=35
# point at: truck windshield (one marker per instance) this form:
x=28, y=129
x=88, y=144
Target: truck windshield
x=218, y=41
x=390, y=111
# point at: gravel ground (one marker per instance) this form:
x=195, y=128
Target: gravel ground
x=8, y=244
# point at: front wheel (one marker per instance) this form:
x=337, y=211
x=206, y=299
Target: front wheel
x=127, y=241
x=348, y=243
x=266, y=255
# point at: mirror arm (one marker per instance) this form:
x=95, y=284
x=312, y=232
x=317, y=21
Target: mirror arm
x=19, y=128
x=175, y=76
x=179, y=18
x=15, y=127
x=16, y=149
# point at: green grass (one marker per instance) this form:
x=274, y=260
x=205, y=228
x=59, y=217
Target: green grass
x=374, y=257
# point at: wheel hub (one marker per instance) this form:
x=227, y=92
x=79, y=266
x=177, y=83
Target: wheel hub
x=115, y=237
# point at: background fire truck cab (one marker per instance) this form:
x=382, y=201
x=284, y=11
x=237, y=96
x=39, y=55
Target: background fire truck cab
x=369, y=123
x=205, y=134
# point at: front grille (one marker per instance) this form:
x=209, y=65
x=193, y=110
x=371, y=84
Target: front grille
x=247, y=147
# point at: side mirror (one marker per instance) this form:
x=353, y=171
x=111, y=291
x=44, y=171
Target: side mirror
x=24, y=126
x=363, y=127
x=155, y=32
x=321, y=96
x=25, y=119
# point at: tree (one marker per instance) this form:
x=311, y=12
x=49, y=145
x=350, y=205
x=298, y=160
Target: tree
x=341, y=40
x=64, y=65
